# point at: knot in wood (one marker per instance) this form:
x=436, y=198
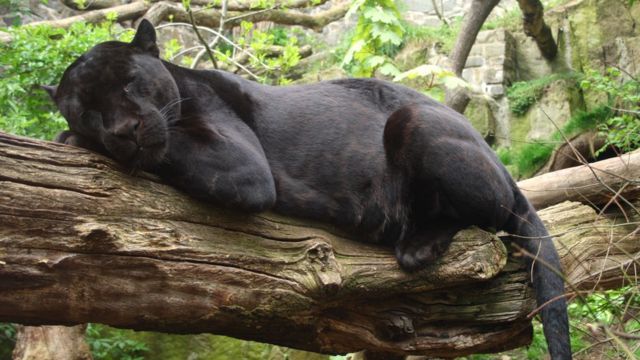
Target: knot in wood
x=325, y=269
x=97, y=237
x=321, y=253
x=396, y=327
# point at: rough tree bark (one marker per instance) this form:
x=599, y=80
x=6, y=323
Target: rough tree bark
x=231, y=5
x=51, y=343
x=598, y=183
x=211, y=17
x=80, y=241
x=124, y=12
x=207, y=17
x=92, y=4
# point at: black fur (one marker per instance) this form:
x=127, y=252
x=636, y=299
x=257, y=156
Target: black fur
x=375, y=158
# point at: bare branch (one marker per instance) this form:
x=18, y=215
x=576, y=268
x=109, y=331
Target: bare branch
x=124, y=12
x=211, y=17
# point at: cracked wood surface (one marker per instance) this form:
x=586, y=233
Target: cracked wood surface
x=81, y=241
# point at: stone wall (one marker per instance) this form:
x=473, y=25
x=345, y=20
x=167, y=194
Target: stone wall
x=490, y=69
x=491, y=65
x=422, y=12
x=498, y=59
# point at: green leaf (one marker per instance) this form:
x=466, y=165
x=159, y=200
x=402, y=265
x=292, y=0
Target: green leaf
x=378, y=14
x=453, y=82
x=389, y=69
x=375, y=61
x=355, y=6
x=420, y=71
x=355, y=47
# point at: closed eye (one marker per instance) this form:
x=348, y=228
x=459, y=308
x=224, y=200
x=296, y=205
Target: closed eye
x=91, y=120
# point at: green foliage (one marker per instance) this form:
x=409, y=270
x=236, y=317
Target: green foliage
x=584, y=120
x=511, y=20
x=523, y=94
x=622, y=129
x=171, y=48
x=80, y=3
x=203, y=346
x=378, y=35
x=432, y=79
x=113, y=344
x=260, y=42
x=443, y=36
x=611, y=309
x=7, y=340
x=525, y=159
x=38, y=56
x=532, y=156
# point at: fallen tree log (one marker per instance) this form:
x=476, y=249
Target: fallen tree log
x=598, y=183
x=81, y=241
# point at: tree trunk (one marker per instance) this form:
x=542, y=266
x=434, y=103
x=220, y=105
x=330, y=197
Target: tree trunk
x=534, y=26
x=80, y=241
x=458, y=99
x=51, y=343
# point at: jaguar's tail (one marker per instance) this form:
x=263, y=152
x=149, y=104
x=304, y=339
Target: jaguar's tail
x=546, y=275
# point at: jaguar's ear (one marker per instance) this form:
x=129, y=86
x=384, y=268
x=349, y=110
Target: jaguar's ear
x=51, y=90
x=145, y=38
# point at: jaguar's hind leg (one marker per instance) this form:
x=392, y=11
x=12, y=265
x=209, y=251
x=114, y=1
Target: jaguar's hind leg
x=426, y=244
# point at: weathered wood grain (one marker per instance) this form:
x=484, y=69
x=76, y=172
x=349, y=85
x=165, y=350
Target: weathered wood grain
x=82, y=241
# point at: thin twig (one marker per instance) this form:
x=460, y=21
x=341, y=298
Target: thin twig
x=223, y=14
x=214, y=32
x=201, y=39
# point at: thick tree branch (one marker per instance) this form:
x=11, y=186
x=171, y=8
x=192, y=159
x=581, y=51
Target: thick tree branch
x=232, y=5
x=51, y=343
x=211, y=17
x=81, y=241
x=254, y=5
x=585, y=183
x=91, y=4
x=458, y=99
x=124, y=12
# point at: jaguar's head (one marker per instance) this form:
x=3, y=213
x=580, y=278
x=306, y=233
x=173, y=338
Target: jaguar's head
x=121, y=96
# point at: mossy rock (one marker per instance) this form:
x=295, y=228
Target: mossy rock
x=592, y=25
x=558, y=103
x=480, y=113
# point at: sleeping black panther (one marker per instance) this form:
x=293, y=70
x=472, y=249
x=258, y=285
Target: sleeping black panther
x=374, y=158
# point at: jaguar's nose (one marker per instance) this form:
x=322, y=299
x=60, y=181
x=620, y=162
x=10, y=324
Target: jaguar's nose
x=127, y=128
